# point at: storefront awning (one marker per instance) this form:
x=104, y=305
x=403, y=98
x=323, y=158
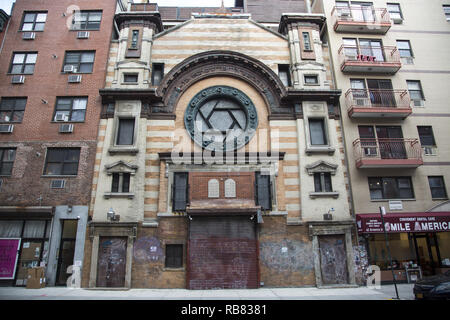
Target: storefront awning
x=404, y=222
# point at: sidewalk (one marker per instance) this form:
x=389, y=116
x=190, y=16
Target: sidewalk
x=386, y=292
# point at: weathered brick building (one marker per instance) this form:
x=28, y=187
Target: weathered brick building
x=220, y=161
x=52, y=63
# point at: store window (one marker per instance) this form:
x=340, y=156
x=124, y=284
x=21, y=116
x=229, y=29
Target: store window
x=401, y=247
x=34, y=246
x=443, y=240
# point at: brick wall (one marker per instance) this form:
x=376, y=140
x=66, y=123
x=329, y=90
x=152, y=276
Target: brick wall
x=37, y=131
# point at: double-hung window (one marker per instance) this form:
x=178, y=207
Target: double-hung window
x=404, y=48
x=317, y=132
x=395, y=12
x=70, y=109
x=447, y=11
x=120, y=182
x=322, y=182
x=82, y=61
x=7, y=156
x=34, y=21
x=125, y=132
x=86, y=20
x=437, y=187
x=426, y=136
x=23, y=63
x=62, y=161
x=12, y=109
x=415, y=92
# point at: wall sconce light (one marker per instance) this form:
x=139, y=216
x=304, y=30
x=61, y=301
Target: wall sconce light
x=111, y=215
x=44, y=101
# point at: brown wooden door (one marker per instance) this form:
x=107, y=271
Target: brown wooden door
x=112, y=256
x=222, y=253
x=333, y=259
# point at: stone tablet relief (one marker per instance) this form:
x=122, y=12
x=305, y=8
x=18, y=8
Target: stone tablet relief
x=213, y=188
x=230, y=188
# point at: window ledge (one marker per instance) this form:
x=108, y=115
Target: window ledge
x=324, y=149
x=333, y=194
x=174, y=269
x=132, y=150
x=129, y=195
x=58, y=176
x=387, y=200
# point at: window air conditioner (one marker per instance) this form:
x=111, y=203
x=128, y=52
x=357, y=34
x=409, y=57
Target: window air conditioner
x=61, y=117
x=69, y=68
x=28, y=35
x=417, y=103
x=57, y=184
x=74, y=78
x=6, y=128
x=83, y=34
x=18, y=79
x=66, y=128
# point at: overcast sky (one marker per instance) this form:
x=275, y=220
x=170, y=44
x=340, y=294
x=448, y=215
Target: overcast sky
x=6, y=4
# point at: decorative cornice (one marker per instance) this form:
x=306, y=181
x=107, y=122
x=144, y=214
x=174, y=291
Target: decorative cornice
x=147, y=19
x=300, y=18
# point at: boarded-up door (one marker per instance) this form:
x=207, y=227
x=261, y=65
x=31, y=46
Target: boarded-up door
x=222, y=253
x=112, y=258
x=333, y=259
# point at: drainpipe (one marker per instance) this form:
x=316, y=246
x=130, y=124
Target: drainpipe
x=6, y=32
x=308, y=6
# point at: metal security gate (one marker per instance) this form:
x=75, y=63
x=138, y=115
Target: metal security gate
x=222, y=253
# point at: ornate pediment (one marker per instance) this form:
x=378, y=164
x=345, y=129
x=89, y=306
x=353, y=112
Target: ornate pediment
x=121, y=167
x=321, y=166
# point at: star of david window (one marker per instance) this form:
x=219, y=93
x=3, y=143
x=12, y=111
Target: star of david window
x=221, y=118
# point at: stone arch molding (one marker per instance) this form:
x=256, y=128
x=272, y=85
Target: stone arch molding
x=223, y=63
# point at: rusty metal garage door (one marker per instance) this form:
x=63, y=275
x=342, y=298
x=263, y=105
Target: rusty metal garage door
x=222, y=253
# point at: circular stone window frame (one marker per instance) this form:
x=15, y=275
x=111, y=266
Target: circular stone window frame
x=222, y=92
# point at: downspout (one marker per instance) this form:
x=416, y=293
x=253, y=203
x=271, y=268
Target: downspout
x=6, y=33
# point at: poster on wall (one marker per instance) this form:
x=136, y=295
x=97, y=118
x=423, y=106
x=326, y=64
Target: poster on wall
x=8, y=257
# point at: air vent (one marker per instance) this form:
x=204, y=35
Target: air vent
x=83, y=34
x=69, y=69
x=17, y=79
x=28, y=35
x=66, y=128
x=74, y=78
x=6, y=128
x=58, y=184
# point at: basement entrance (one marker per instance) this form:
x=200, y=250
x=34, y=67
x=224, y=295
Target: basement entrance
x=222, y=253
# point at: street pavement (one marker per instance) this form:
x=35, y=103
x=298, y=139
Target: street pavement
x=386, y=292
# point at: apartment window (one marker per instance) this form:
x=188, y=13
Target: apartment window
x=83, y=62
x=70, y=109
x=7, y=156
x=134, y=39
x=174, y=256
x=62, y=161
x=311, y=79
x=34, y=21
x=390, y=188
x=395, y=12
x=120, y=182
x=180, y=191
x=125, y=132
x=86, y=20
x=130, y=78
x=306, y=41
x=284, y=74
x=415, y=91
x=437, y=187
x=12, y=109
x=157, y=73
x=404, y=47
x=23, y=63
x=426, y=136
x=447, y=11
x=322, y=182
x=317, y=132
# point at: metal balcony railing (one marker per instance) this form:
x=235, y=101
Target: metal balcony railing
x=377, y=98
x=387, y=149
x=361, y=15
x=369, y=55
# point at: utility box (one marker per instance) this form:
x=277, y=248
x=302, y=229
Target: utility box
x=36, y=278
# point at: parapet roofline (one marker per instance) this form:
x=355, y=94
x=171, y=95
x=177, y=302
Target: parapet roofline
x=221, y=15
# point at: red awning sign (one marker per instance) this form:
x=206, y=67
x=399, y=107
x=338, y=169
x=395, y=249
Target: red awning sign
x=404, y=222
